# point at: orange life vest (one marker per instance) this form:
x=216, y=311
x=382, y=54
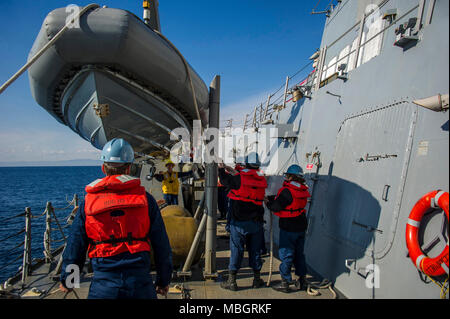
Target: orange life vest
x=300, y=196
x=117, y=218
x=239, y=167
x=253, y=187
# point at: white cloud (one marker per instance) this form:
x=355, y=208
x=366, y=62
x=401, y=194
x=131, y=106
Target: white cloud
x=40, y=145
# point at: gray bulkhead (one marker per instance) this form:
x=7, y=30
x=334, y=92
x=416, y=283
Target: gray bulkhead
x=379, y=152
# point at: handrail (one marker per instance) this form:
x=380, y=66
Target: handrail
x=261, y=114
x=381, y=5
x=383, y=30
x=26, y=255
x=276, y=99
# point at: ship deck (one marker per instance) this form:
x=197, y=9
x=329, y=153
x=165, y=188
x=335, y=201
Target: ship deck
x=40, y=285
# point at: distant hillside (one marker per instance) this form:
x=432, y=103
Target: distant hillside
x=80, y=162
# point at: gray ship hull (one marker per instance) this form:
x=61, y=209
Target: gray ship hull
x=374, y=153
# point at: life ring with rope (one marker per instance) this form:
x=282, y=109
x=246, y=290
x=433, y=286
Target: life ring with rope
x=436, y=266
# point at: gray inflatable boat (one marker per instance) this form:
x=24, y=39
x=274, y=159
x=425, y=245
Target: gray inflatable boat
x=113, y=76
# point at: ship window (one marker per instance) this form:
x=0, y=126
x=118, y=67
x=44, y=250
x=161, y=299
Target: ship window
x=331, y=68
x=352, y=57
x=343, y=56
x=370, y=46
x=372, y=39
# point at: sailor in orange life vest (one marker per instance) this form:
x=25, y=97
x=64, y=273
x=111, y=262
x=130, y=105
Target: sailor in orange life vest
x=116, y=225
x=247, y=191
x=237, y=168
x=289, y=205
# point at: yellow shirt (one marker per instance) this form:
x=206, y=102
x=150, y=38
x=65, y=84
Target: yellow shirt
x=170, y=184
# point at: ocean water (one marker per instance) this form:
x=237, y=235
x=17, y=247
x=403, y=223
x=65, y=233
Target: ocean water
x=33, y=187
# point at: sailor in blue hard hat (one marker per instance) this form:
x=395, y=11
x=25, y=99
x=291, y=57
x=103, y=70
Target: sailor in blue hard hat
x=252, y=161
x=117, y=151
x=117, y=204
x=247, y=191
x=289, y=206
x=117, y=154
x=294, y=170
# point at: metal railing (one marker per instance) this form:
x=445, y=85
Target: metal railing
x=24, y=248
x=350, y=58
x=265, y=111
x=353, y=58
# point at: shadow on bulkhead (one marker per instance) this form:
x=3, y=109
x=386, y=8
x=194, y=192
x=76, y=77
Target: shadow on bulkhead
x=343, y=223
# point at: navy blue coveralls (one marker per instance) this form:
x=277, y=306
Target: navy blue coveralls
x=245, y=226
x=125, y=275
x=292, y=238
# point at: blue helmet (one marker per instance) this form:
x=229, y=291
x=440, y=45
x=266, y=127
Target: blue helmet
x=295, y=170
x=252, y=159
x=117, y=151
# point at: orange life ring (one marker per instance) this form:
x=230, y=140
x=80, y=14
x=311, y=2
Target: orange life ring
x=431, y=266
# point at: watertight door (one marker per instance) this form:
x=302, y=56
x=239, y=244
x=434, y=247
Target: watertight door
x=369, y=167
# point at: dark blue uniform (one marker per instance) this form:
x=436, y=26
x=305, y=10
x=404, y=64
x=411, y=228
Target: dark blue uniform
x=292, y=238
x=125, y=275
x=245, y=226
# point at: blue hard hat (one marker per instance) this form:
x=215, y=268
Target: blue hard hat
x=252, y=159
x=117, y=151
x=295, y=170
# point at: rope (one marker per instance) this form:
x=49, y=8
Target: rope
x=271, y=250
x=314, y=287
x=443, y=293
x=45, y=48
x=38, y=216
x=64, y=208
x=59, y=226
x=9, y=218
x=71, y=216
x=16, y=234
x=12, y=262
x=317, y=4
x=58, y=240
x=17, y=246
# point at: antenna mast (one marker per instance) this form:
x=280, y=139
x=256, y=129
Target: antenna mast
x=328, y=9
x=151, y=14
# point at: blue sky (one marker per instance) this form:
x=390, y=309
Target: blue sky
x=253, y=45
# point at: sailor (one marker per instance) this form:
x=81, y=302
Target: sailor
x=117, y=224
x=170, y=182
x=289, y=205
x=247, y=191
x=222, y=200
x=237, y=168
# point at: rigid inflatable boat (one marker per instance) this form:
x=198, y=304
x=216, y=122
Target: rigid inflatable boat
x=111, y=76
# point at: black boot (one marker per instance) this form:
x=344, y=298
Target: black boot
x=257, y=281
x=300, y=283
x=230, y=284
x=282, y=287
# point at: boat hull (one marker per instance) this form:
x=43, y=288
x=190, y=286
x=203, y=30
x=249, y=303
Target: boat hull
x=114, y=58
